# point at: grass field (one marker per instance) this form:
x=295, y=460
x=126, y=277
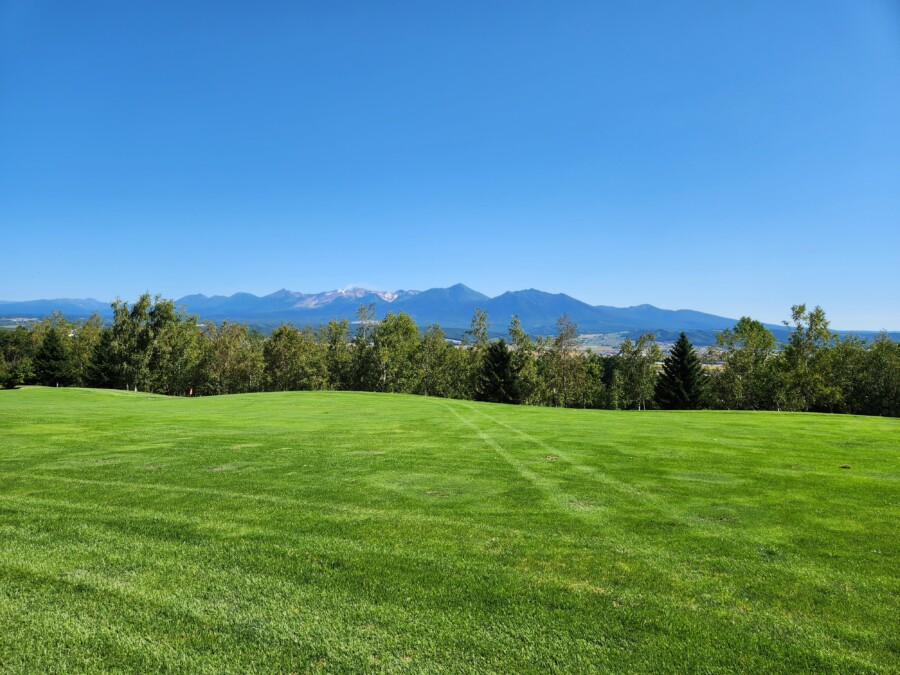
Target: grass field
x=360, y=532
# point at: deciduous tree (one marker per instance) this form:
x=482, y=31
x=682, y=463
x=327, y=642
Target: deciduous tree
x=363, y=364
x=435, y=363
x=635, y=375
x=804, y=359
x=233, y=359
x=745, y=380
x=335, y=338
x=294, y=361
x=396, y=345
x=525, y=350
x=564, y=364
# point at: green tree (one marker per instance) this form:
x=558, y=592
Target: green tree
x=475, y=342
x=105, y=370
x=17, y=349
x=84, y=336
x=396, y=345
x=363, y=364
x=844, y=362
x=594, y=392
x=335, y=337
x=564, y=365
x=154, y=347
x=682, y=385
x=176, y=349
x=233, y=361
x=804, y=360
x=498, y=379
x=459, y=366
x=745, y=380
x=477, y=334
x=634, y=379
x=524, y=356
x=435, y=363
x=881, y=375
x=132, y=339
x=282, y=358
x=53, y=361
x=294, y=361
x=19, y=372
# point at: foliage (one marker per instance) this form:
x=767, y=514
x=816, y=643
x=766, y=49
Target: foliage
x=746, y=353
x=155, y=347
x=682, y=385
x=879, y=390
x=477, y=334
x=363, y=363
x=294, y=360
x=563, y=365
x=804, y=360
x=54, y=365
x=106, y=369
x=524, y=352
x=233, y=359
x=396, y=347
x=335, y=337
x=635, y=376
x=436, y=364
x=16, y=365
x=499, y=380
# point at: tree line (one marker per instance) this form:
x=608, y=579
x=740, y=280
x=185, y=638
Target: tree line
x=154, y=346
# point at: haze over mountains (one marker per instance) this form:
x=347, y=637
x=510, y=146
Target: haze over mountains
x=451, y=307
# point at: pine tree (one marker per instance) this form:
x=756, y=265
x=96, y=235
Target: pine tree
x=682, y=384
x=53, y=363
x=498, y=379
x=105, y=370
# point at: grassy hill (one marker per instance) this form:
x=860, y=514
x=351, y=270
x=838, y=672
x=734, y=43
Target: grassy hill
x=354, y=532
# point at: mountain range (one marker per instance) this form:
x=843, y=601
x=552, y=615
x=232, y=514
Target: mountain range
x=451, y=307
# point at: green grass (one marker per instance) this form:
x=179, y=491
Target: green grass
x=366, y=532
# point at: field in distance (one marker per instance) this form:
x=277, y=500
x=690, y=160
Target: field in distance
x=360, y=532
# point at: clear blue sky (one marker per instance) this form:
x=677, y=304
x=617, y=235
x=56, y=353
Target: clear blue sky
x=736, y=158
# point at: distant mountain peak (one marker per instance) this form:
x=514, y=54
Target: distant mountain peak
x=451, y=307
x=283, y=293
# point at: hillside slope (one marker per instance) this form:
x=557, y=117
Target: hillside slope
x=360, y=532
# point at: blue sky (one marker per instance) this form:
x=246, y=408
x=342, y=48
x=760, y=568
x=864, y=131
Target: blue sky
x=735, y=158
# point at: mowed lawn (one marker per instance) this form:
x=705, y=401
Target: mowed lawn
x=367, y=532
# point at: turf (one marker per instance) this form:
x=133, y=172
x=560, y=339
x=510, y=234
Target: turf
x=369, y=532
